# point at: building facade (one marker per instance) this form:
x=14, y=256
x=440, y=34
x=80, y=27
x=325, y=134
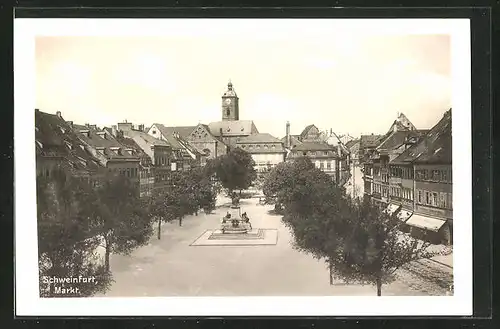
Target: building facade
x=111, y=154
x=418, y=179
x=157, y=159
x=266, y=150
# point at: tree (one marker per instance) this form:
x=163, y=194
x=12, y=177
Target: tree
x=120, y=220
x=160, y=208
x=376, y=248
x=281, y=180
x=66, y=246
x=235, y=170
x=358, y=240
x=315, y=208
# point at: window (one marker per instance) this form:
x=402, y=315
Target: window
x=419, y=196
x=321, y=165
x=444, y=175
x=328, y=165
x=435, y=175
x=325, y=153
x=442, y=200
x=228, y=112
x=435, y=199
x=427, y=198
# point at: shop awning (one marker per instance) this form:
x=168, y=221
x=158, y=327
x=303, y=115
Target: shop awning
x=428, y=223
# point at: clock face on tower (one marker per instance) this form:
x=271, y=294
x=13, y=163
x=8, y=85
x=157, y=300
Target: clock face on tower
x=228, y=101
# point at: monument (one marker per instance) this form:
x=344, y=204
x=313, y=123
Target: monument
x=236, y=230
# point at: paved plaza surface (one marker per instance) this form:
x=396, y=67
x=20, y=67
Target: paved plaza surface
x=171, y=267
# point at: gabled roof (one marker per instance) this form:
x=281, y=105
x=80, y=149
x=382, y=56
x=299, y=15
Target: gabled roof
x=306, y=130
x=54, y=137
x=367, y=141
x=434, y=147
x=233, y=128
x=108, y=143
x=258, y=138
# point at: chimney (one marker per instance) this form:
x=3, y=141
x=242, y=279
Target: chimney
x=93, y=126
x=141, y=127
x=339, y=151
x=288, y=137
x=114, y=130
x=58, y=113
x=70, y=123
x=220, y=132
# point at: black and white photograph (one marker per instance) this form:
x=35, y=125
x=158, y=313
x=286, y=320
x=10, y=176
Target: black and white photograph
x=232, y=166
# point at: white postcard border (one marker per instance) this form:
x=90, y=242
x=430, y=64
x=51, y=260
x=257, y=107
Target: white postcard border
x=26, y=256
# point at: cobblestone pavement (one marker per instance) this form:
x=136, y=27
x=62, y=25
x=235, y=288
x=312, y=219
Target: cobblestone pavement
x=171, y=267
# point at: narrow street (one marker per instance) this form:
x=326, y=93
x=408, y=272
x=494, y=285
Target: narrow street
x=171, y=267
x=355, y=184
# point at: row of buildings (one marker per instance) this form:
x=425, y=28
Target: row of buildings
x=410, y=170
x=147, y=155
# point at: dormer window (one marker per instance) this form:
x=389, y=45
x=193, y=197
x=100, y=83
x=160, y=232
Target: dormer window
x=39, y=144
x=85, y=132
x=101, y=134
x=68, y=145
x=62, y=130
x=115, y=150
x=100, y=150
x=130, y=151
x=82, y=147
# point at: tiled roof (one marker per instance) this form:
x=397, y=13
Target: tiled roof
x=306, y=131
x=369, y=141
x=351, y=143
x=398, y=138
x=314, y=146
x=183, y=131
x=54, y=137
x=233, y=128
x=294, y=139
x=259, y=138
x=108, y=143
x=434, y=147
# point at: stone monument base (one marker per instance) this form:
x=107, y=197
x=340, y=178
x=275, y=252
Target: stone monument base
x=254, y=237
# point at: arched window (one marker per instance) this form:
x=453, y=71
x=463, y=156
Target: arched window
x=228, y=112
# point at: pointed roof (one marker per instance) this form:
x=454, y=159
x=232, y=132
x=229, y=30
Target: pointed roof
x=434, y=147
x=306, y=130
x=230, y=90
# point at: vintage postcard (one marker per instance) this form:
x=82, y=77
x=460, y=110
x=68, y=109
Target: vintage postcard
x=243, y=167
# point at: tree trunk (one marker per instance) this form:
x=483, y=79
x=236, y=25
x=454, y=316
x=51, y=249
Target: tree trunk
x=106, y=256
x=379, y=287
x=180, y=221
x=159, y=229
x=330, y=267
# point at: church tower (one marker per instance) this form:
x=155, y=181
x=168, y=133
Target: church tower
x=230, y=109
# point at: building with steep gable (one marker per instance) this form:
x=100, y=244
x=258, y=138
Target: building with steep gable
x=57, y=146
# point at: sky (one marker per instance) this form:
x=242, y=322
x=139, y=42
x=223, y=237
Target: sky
x=352, y=83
